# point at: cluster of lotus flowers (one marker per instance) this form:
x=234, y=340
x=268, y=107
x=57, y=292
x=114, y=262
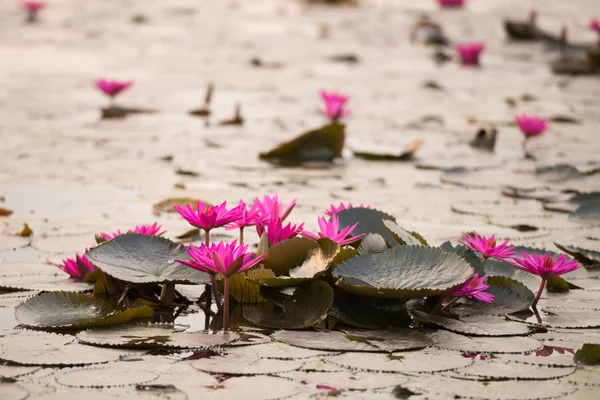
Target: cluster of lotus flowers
x=267, y=215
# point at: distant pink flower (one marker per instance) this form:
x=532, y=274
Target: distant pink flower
x=270, y=208
x=545, y=266
x=469, y=53
x=451, y=3
x=33, y=5
x=276, y=232
x=531, y=125
x=247, y=217
x=595, y=25
x=473, y=289
x=487, y=247
x=333, y=209
x=112, y=87
x=474, y=356
x=331, y=230
x=209, y=217
x=334, y=105
x=147, y=230
x=221, y=259
x=77, y=267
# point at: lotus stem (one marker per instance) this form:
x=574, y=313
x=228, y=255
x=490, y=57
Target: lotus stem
x=215, y=290
x=207, y=308
x=242, y=235
x=454, y=300
x=226, y=304
x=484, y=260
x=206, y=238
x=537, y=315
x=437, y=305
x=167, y=294
x=539, y=293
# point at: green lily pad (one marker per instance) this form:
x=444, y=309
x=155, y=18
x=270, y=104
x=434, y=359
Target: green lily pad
x=583, y=255
x=243, y=287
x=589, y=354
x=404, y=237
x=403, y=272
x=466, y=253
x=145, y=259
x=501, y=268
x=166, y=206
x=372, y=243
x=305, y=308
x=323, y=144
x=368, y=312
x=479, y=344
x=67, y=310
x=587, y=213
x=383, y=152
x=369, y=221
x=288, y=254
x=500, y=371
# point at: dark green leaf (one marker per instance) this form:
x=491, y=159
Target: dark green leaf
x=144, y=259
x=369, y=221
x=589, y=354
x=385, y=152
x=583, y=255
x=404, y=237
x=403, y=272
x=288, y=254
x=587, y=213
x=372, y=243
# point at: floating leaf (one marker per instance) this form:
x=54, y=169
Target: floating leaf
x=402, y=236
x=470, y=344
x=386, y=152
x=496, y=370
x=587, y=213
x=26, y=231
x=117, y=375
x=323, y=144
x=46, y=282
x=52, y=350
x=245, y=365
x=589, y=354
x=429, y=360
x=360, y=341
x=144, y=259
x=67, y=310
x=403, y=272
x=5, y=212
x=306, y=307
x=583, y=255
x=372, y=243
x=243, y=287
x=116, y=112
x=288, y=254
x=369, y=221
x=166, y=206
x=153, y=336
x=488, y=326
x=346, y=380
x=278, y=351
x=557, y=317
x=368, y=312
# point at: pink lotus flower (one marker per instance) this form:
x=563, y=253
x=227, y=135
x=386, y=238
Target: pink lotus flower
x=595, y=25
x=474, y=356
x=451, y=3
x=545, y=267
x=331, y=230
x=248, y=218
x=33, y=5
x=334, y=105
x=222, y=259
x=208, y=218
x=271, y=208
x=147, y=230
x=333, y=209
x=473, y=289
x=469, y=53
x=487, y=247
x=531, y=125
x=276, y=232
x=77, y=267
x=112, y=87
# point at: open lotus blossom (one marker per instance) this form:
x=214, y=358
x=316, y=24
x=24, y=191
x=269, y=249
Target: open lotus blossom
x=473, y=289
x=487, y=247
x=451, y=3
x=209, y=217
x=469, y=53
x=331, y=230
x=112, y=87
x=334, y=105
x=247, y=218
x=147, y=230
x=531, y=125
x=545, y=267
x=32, y=8
x=333, y=209
x=270, y=208
x=77, y=267
x=222, y=259
x=276, y=231
x=595, y=25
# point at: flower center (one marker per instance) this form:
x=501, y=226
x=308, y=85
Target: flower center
x=491, y=242
x=548, y=263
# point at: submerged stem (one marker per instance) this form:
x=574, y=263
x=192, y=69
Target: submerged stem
x=226, y=304
x=454, y=300
x=539, y=293
x=215, y=290
x=167, y=294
